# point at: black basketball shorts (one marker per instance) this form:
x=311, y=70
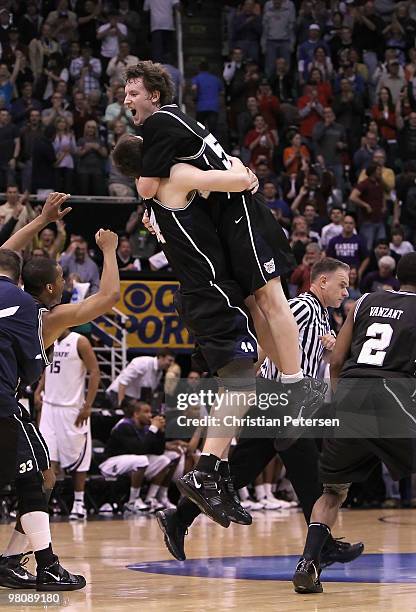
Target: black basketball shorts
x=219, y=321
x=378, y=424
x=23, y=450
x=256, y=247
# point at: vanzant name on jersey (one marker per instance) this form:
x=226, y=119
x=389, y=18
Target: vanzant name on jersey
x=388, y=313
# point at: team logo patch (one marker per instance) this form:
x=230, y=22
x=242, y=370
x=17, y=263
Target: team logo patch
x=269, y=266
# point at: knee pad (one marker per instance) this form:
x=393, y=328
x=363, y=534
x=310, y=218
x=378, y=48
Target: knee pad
x=30, y=494
x=340, y=490
x=238, y=375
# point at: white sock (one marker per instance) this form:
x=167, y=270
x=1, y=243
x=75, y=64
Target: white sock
x=274, y=488
x=79, y=497
x=163, y=494
x=134, y=494
x=19, y=543
x=260, y=492
x=152, y=492
x=287, y=379
x=268, y=489
x=243, y=493
x=37, y=529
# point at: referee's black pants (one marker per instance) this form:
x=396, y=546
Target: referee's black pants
x=249, y=459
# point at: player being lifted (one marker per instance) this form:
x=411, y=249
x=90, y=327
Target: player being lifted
x=28, y=461
x=256, y=247
x=374, y=359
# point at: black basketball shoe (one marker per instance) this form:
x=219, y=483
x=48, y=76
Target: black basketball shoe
x=335, y=551
x=55, y=578
x=174, y=533
x=306, y=577
x=204, y=489
x=305, y=398
x=13, y=573
x=233, y=508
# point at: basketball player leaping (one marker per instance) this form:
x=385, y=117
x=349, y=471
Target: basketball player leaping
x=27, y=449
x=258, y=251
x=374, y=358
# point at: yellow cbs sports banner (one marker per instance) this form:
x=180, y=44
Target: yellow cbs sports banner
x=152, y=319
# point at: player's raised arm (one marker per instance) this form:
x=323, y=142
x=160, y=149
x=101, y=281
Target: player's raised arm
x=71, y=315
x=342, y=348
x=234, y=180
x=51, y=211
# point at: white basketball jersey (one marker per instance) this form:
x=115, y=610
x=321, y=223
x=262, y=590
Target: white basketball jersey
x=65, y=378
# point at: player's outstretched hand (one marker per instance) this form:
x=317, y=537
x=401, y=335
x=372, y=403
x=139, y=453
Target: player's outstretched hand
x=254, y=182
x=51, y=210
x=106, y=239
x=146, y=223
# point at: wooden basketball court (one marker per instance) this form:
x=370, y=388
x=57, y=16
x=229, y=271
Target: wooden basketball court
x=102, y=550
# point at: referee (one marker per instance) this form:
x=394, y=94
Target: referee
x=329, y=283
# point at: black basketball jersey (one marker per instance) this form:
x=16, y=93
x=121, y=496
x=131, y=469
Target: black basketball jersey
x=170, y=136
x=189, y=241
x=384, y=336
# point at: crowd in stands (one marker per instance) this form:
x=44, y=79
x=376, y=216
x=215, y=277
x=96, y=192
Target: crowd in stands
x=321, y=104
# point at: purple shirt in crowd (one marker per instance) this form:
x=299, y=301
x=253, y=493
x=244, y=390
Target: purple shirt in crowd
x=350, y=250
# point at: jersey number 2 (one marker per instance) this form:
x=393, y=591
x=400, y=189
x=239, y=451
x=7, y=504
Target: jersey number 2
x=373, y=352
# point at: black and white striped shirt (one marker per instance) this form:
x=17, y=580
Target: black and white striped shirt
x=313, y=322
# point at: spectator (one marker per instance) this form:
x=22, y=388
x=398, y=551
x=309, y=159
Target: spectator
x=54, y=72
x=301, y=276
x=176, y=76
x=367, y=32
x=28, y=134
x=132, y=21
x=278, y=33
x=13, y=46
x=92, y=153
x=246, y=30
x=56, y=111
x=21, y=107
x=7, y=227
x=261, y=142
x=324, y=87
x=381, y=248
x=85, y=70
x=369, y=196
x=393, y=80
x=7, y=80
x=349, y=247
x=207, y=90
x=407, y=138
x=116, y=111
x=43, y=162
x=294, y=155
x=52, y=239
x=279, y=207
x=322, y=62
x=306, y=51
x=40, y=49
x=354, y=292
x=63, y=23
x=349, y=112
x=89, y=20
x=9, y=149
x=330, y=141
x=398, y=244
x=125, y=259
x=77, y=261
x=334, y=228
x=387, y=175
x=143, y=243
x=364, y=156
x=81, y=114
x=311, y=110
x=281, y=81
x=14, y=203
x=110, y=34
x=268, y=104
x=311, y=192
x=65, y=148
x=384, y=114
x=140, y=374
x=245, y=120
x=381, y=279
x=162, y=26
x=119, y=62
x=30, y=23
x=25, y=74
